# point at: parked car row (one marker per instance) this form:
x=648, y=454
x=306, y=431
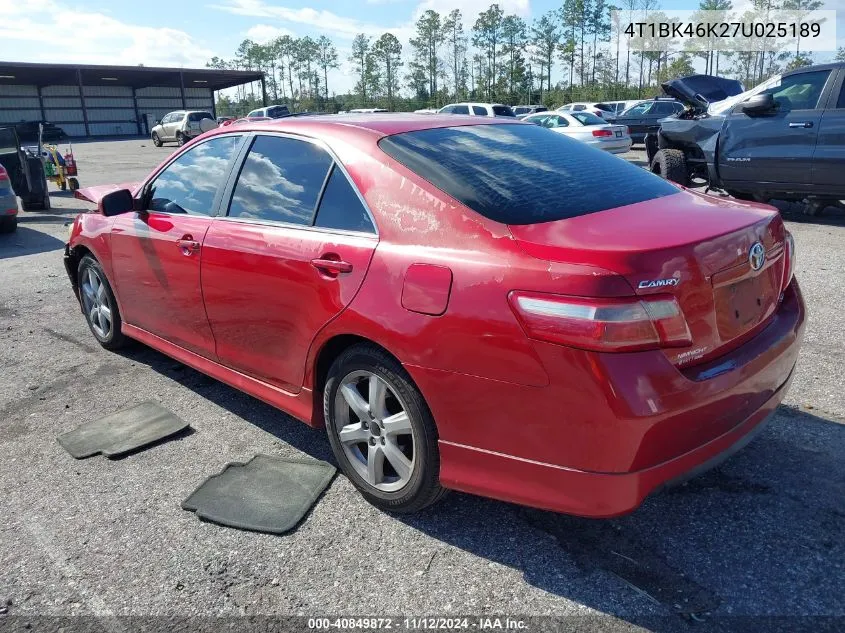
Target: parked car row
x=462, y=302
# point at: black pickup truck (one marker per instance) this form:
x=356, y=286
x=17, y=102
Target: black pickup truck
x=784, y=139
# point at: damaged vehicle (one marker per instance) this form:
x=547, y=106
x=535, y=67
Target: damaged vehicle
x=781, y=140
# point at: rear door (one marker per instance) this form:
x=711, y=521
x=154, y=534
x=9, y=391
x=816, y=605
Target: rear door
x=289, y=256
x=777, y=147
x=829, y=158
x=157, y=252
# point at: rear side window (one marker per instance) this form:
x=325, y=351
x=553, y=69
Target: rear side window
x=340, y=207
x=281, y=180
x=499, y=110
x=277, y=112
x=479, y=110
x=521, y=174
x=460, y=109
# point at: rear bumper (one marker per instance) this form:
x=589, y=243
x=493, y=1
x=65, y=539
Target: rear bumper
x=609, y=428
x=598, y=495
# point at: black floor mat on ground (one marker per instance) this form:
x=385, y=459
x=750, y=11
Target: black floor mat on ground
x=266, y=494
x=122, y=432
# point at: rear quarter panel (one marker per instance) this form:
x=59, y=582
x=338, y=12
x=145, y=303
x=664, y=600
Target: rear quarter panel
x=478, y=334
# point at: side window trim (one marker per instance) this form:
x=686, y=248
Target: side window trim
x=240, y=159
x=218, y=196
x=322, y=193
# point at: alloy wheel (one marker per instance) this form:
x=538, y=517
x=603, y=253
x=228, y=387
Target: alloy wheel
x=95, y=301
x=375, y=431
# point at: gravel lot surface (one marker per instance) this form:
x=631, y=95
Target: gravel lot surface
x=762, y=535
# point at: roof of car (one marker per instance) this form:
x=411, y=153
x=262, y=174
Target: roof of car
x=476, y=103
x=378, y=125
x=829, y=66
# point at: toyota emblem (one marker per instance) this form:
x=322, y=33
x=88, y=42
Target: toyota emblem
x=757, y=256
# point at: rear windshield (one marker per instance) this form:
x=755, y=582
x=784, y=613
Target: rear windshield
x=522, y=174
x=588, y=118
x=502, y=111
x=199, y=116
x=607, y=107
x=521, y=110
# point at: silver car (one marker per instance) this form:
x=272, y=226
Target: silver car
x=587, y=128
x=181, y=126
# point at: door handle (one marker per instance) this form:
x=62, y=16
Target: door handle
x=804, y=124
x=331, y=266
x=188, y=245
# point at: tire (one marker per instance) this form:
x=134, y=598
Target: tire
x=73, y=183
x=9, y=224
x=180, y=139
x=26, y=205
x=414, y=483
x=156, y=140
x=45, y=203
x=64, y=185
x=671, y=165
x=89, y=273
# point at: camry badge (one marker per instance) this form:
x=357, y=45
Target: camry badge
x=757, y=256
x=658, y=283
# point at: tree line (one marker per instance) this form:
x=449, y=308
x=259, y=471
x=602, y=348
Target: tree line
x=566, y=54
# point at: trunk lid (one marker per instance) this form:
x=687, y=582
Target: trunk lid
x=691, y=246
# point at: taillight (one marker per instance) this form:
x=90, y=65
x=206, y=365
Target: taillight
x=789, y=253
x=602, y=133
x=604, y=325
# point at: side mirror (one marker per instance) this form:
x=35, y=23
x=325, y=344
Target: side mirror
x=157, y=122
x=759, y=104
x=116, y=203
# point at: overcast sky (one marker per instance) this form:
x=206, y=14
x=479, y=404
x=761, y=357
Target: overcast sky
x=188, y=33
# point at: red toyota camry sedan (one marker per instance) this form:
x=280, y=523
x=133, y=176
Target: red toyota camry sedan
x=464, y=303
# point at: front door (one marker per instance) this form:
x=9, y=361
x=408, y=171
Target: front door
x=157, y=252
x=827, y=161
x=775, y=147
x=290, y=255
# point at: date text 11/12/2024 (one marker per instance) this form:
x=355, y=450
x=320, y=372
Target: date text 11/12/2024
x=485, y=623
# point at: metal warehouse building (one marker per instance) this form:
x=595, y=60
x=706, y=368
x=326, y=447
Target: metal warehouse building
x=108, y=100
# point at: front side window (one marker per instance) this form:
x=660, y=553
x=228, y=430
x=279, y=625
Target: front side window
x=638, y=110
x=460, y=109
x=800, y=91
x=521, y=174
x=189, y=184
x=479, y=110
x=281, y=180
x=340, y=207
